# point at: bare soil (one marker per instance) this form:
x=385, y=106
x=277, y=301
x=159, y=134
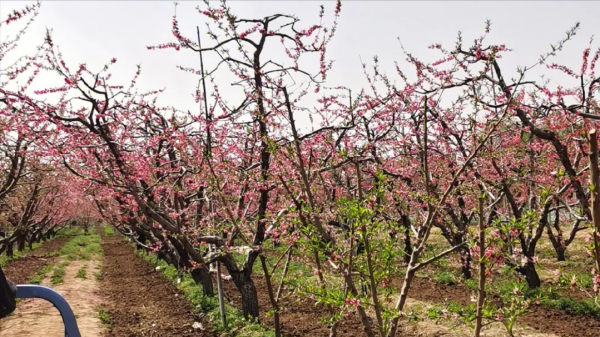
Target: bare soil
x=24, y=268
x=300, y=316
x=140, y=300
x=541, y=318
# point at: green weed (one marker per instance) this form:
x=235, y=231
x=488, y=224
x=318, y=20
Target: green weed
x=82, y=247
x=109, y=231
x=59, y=273
x=82, y=273
x=472, y=284
x=445, y=277
x=104, y=318
x=39, y=276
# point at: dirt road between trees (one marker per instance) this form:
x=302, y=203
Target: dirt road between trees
x=141, y=301
x=36, y=317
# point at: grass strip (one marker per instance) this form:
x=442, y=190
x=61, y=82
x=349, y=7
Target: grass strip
x=58, y=274
x=39, y=276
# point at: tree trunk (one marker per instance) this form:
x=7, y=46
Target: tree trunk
x=531, y=275
x=21, y=240
x=9, y=249
x=560, y=253
x=362, y=314
x=142, y=239
x=164, y=256
x=408, y=278
x=202, y=276
x=465, y=263
x=595, y=193
x=559, y=248
x=245, y=285
x=407, y=243
x=333, y=329
x=271, y=297
x=481, y=287
x=249, y=297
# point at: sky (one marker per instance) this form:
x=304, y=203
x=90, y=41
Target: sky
x=93, y=32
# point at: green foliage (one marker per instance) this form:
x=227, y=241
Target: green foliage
x=552, y=299
x=413, y=316
x=109, y=231
x=434, y=313
x=82, y=273
x=67, y=232
x=582, y=279
x=104, y=317
x=82, y=247
x=472, y=284
x=585, y=307
x=39, y=276
x=59, y=273
x=467, y=313
x=575, y=307
x=445, y=277
x=516, y=304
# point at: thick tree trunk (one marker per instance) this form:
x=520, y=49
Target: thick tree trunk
x=164, y=256
x=531, y=275
x=249, y=296
x=560, y=253
x=21, y=241
x=245, y=285
x=202, y=276
x=559, y=248
x=141, y=238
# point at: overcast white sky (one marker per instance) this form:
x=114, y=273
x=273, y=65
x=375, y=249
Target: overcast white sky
x=93, y=32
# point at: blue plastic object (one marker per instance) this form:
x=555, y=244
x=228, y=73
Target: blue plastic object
x=34, y=291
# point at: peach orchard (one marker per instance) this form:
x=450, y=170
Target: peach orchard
x=354, y=180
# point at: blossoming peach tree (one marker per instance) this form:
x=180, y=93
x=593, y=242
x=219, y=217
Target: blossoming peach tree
x=355, y=180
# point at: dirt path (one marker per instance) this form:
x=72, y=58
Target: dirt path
x=24, y=268
x=35, y=317
x=140, y=300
